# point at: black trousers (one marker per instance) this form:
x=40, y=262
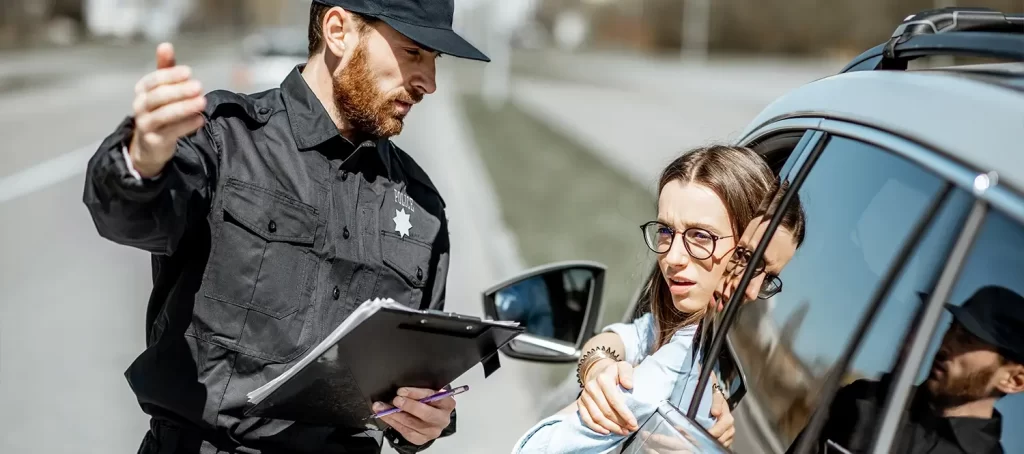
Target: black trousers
x=166, y=438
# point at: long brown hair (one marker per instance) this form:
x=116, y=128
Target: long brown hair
x=741, y=179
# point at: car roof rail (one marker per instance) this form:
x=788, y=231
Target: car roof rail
x=953, y=31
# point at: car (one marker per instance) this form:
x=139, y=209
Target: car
x=912, y=181
x=268, y=55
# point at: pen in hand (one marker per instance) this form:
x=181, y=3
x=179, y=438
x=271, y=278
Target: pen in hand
x=431, y=398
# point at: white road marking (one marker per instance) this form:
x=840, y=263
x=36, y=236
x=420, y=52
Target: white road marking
x=46, y=173
x=73, y=163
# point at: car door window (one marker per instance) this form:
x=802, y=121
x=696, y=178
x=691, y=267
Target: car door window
x=974, y=361
x=860, y=203
x=855, y=410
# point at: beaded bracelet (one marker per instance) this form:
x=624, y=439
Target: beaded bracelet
x=592, y=357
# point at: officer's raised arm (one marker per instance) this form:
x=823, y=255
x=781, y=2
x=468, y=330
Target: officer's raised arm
x=150, y=176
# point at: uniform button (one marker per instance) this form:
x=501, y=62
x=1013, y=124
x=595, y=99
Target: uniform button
x=336, y=293
x=419, y=273
x=264, y=110
x=272, y=226
x=344, y=233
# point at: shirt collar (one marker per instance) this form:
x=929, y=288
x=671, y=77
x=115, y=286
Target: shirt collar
x=971, y=434
x=311, y=124
x=978, y=434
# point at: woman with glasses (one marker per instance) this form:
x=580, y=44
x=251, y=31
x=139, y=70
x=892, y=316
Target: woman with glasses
x=707, y=197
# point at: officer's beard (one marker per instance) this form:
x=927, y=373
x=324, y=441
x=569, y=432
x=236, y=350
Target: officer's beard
x=360, y=102
x=952, y=391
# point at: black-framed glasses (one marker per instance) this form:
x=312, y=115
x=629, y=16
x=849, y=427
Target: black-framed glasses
x=700, y=243
x=772, y=283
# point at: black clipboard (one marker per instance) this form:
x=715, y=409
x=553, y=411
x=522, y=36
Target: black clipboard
x=393, y=347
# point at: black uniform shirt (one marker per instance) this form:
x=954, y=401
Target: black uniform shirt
x=857, y=407
x=267, y=229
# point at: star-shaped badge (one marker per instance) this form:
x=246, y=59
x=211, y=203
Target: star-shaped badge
x=402, y=224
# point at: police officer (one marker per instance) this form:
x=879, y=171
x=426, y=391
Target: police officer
x=271, y=216
x=980, y=361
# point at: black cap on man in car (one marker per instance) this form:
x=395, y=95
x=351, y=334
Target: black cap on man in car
x=996, y=316
x=427, y=22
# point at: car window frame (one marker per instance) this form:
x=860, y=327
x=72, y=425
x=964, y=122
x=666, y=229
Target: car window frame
x=987, y=197
x=927, y=322
x=806, y=157
x=954, y=175
x=930, y=315
x=879, y=297
x=808, y=140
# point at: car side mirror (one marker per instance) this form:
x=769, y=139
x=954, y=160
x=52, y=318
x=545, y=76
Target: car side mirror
x=557, y=304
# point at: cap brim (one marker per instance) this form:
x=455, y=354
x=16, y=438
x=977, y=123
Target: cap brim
x=964, y=317
x=439, y=39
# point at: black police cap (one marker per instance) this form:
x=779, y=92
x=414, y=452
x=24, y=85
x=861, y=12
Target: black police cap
x=996, y=316
x=427, y=22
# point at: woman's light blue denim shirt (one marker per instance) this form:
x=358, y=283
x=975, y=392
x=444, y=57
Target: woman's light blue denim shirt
x=670, y=373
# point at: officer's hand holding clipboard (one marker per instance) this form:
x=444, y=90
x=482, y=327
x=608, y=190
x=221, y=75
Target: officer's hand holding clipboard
x=417, y=416
x=385, y=352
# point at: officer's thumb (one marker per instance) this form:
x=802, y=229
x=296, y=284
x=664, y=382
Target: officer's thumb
x=164, y=56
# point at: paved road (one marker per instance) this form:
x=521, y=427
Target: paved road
x=639, y=113
x=72, y=305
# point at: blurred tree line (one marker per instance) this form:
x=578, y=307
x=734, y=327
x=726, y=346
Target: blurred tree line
x=30, y=23
x=777, y=26
x=755, y=26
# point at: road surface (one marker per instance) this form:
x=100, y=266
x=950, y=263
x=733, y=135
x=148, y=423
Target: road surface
x=639, y=113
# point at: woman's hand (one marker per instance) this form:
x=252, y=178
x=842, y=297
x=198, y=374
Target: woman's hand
x=602, y=405
x=724, y=429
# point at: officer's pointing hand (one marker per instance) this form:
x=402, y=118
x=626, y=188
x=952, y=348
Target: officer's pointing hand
x=168, y=105
x=418, y=422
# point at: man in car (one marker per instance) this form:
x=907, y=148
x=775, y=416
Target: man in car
x=980, y=361
x=271, y=217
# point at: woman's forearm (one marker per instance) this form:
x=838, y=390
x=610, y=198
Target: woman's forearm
x=664, y=375
x=610, y=341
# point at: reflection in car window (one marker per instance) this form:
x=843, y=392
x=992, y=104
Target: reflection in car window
x=980, y=341
x=855, y=410
x=527, y=302
x=861, y=203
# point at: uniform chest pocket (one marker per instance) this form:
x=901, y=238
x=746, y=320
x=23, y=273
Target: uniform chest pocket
x=410, y=269
x=262, y=258
x=409, y=257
